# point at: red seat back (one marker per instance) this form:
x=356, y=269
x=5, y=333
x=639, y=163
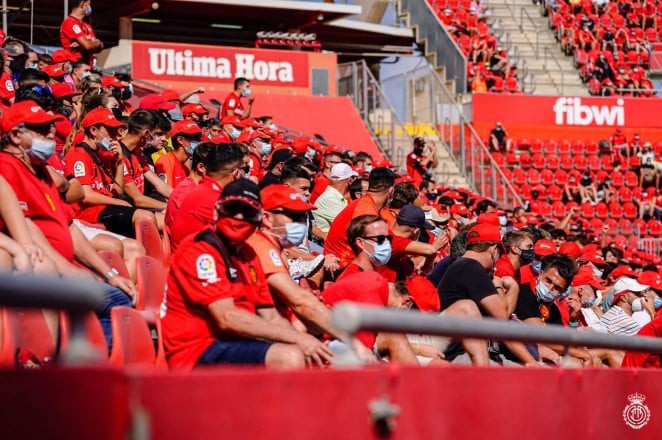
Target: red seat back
x=150, y=281
x=116, y=262
x=132, y=340
x=148, y=234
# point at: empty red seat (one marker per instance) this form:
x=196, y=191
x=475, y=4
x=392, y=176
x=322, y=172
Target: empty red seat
x=581, y=163
x=624, y=194
x=638, y=193
x=525, y=160
x=507, y=173
x=560, y=177
x=620, y=241
x=512, y=159
x=594, y=163
x=132, y=339
x=538, y=161
x=550, y=146
x=615, y=210
x=558, y=209
x=595, y=224
x=631, y=179
x=545, y=209
x=601, y=210
x=633, y=241
x=523, y=144
x=555, y=193
x=639, y=227
x=563, y=147
x=625, y=226
x=607, y=162
x=536, y=146
x=586, y=210
x=577, y=148
x=654, y=227
x=525, y=190
x=630, y=210
x=519, y=176
x=613, y=226
x=591, y=147
x=148, y=234
x=617, y=179
x=533, y=177
x=150, y=282
x=566, y=162
x=499, y=159
x=547, y=177
x=553, y=162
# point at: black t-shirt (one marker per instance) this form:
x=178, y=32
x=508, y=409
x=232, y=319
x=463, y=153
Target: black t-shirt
x=268, y=179
x=465, y=279
x=528, y=306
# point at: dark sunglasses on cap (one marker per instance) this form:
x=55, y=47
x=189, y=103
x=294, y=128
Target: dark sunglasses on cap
x=380, y=239
x=42, y=129
x=295, y=216
x=234, y=206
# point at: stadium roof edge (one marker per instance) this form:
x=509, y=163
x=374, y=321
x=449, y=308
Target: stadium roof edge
x=332, y=8
x=372, y=27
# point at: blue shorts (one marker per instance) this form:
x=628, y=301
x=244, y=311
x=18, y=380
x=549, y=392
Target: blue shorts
x=235, y=352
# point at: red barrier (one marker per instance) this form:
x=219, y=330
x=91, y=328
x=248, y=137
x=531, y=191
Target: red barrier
x=457, y=402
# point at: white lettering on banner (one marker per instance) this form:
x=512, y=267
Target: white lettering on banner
x=172, y=62
x=570, y=111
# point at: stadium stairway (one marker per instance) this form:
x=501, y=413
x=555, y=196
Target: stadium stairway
x=528, y=28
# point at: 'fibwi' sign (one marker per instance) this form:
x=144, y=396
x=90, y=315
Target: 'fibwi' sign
x=218, y=64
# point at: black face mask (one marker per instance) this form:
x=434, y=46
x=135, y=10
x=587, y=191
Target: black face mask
x=117, y=113
x=202, y=123
x=126, y=94
x=66, y=110
x=117, y=94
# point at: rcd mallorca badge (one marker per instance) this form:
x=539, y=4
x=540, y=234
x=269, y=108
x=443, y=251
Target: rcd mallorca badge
x=636, y=414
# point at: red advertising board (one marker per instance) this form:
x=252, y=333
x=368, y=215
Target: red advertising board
x=170, y=62
x=563, y=116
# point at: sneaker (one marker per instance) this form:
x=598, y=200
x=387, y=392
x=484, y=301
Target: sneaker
x=301, y=268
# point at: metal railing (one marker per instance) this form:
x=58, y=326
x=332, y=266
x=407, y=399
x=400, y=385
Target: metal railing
x=523, y=12
x=437, y=41
x=650, y=245
x=351, y=318
x=357, y=81
x=547, y=53
x=78, y=297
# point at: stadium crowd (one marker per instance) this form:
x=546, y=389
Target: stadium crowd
x=264, y=233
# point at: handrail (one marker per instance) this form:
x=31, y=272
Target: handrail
x=78, y=297
x=522, y=13
x=350, y=318
x=546, y=52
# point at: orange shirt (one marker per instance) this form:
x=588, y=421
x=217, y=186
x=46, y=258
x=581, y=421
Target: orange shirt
x=171, y=170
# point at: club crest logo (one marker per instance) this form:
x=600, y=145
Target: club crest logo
x=636, y=414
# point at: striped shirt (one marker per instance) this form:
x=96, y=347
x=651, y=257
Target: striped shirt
x=617, y=322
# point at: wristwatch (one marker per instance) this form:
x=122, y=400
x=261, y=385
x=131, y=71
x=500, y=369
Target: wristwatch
x=111, y=273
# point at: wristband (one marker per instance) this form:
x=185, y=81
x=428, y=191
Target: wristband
x=111, y=274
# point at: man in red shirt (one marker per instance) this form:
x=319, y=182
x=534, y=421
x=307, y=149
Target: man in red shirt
x=171, y=167
x=530, y=272
x=332, y=156
x=233, y=105
x=77, y=36
x=380, y=191
x=518, y=246
x=418, y=165
x=635, y=359
x=196, y=113
x=223, y=165
x=217, y=308
x=370, y=241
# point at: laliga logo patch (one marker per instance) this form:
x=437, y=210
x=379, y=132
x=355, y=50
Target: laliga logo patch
x=79, y=169
x=206, y=267
x=636, y=414
x=275, y=258
x=35, y=108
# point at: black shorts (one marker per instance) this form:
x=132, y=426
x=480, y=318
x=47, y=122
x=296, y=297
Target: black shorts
x=118, y=219
x=235, y=352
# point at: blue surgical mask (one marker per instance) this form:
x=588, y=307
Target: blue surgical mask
x=503, y=220
x=565, y=294
x=246, y=93
x=88, y=10
x=86, y=74
x=537, y=266
x=381, y=253
x=33, y=66
x=658, y=302
x=597, y=272
x=265, y=148
x=367, y=168
x=175, y=114
x=191, y=148
x=104, y=143
x=235, y=133
x=295, y=234
x=41, y=150
x=543, y=293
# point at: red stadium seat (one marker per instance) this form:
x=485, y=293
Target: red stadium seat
x=586, y=210
x=523, y=144
x=545, y=209
x=132, y=339
x=94, y=332
x=577, y=148
x=27, y=337
x=519, y=176
x=635, y=162
x=507, y=172
x=525, y=161
x=553, y=162
x=594, y=163
x=550, y=146
x=148, y=235
x=536, y=146
x=116, y=262
x=617, y=179
x=538, y=161
x=595, y=224
x=607, y=162
x=615, y=210
x=533, y=177
x=563, y=147
x=639, y=227
x=499, y=159
x=555, y=193
x=624, y=194
x=525, y=190
x=631, y=179
x=633, y=241
x=581, y=163
x=625, y=226
x=601, y=210
x=561, y=177
x=638, y=193
x=591, y=147
x=613, y=226
x=620, y=241
x=512, y=159
x=558, y=210
x=566, y=162
x=654, y=227
x=547, y=177
x=150, y=282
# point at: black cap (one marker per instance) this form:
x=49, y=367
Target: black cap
x=279, y=156
x=412, y=215
x=419, y=142
x=242, y=189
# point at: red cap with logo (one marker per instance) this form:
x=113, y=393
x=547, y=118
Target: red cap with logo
x=585, y=276
x=623, y=270
x=155, y=102
x=198, y=109
x=28, y=112
x=424, y=294
x=232, y=120
x=651, y=279
x=259, y=134
x=459, y=209
x=484, y=232
x=64, y=89
x=54, y=71
x=185, y=127
x=595, y=258
x=544, y=247
x=281, y=196
x=101, y=116
x=571, y=249
x=62, y=55
x=490, y=218
x=111, y=81
x=250, y=122
x=170, y=95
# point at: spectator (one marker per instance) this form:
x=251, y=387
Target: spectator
x=233, y=106
x=419, y=164
x=541, y=249
x=519, y=251
x=77, y=35
x=217, y=308
x=275, y=167
x=171, y=167
x=499, y=140
x=334, y=199
x=358, y=188
x=332, y=157
x=619, y=319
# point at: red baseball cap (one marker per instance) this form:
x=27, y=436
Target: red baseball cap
x=101, y=116
x=585, y=276
x=250, y=122
x=259, y=134
x=459, y=209
x=111, y=81
x=544, y=247
x=232, y=120
x=184, y=127
x=28, y=112
x=198, y=109
x=651, y=279
x=62, y=55
x=484, y=232
x=622, y=271
x=170, y=95
x=453, y=195
x=424, y=294
x=490, y=218
x=54, y=71
x=64, y=89
x=155, y=102
x=571, y=249
x=244, y=137
x=281, y=196
x=595, y=258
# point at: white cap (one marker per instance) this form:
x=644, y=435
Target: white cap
x=627, y=283
x=342, y=171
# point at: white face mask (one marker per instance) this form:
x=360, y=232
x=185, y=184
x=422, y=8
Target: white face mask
x=637, y=305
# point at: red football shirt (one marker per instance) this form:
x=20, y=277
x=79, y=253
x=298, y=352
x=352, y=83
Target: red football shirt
x=233, y=102
x=400, y=266
x=196, y=212
x=198, y=277
x=321, y=184
x=72, y=29
x=40, y=202
x=336, y=240
x=135, y=166
x=176, y=199
x=635, y=359
x=504, y=268
x=79, y=164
